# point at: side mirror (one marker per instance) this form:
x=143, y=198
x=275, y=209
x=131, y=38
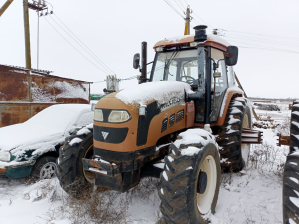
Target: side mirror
x=231, y=55
x=136, y=61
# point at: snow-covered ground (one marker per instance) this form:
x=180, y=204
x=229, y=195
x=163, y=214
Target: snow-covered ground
x=251, y=196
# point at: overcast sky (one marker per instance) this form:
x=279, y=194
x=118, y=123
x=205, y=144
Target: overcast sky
x=114, y=30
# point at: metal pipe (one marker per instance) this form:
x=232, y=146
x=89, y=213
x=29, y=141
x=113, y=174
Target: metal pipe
x=5, y=6
x=208, y=88
x=143, y=62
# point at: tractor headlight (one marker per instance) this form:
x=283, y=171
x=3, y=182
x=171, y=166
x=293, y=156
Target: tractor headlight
x=117, y=116
x=5, y=156
x=98, y=115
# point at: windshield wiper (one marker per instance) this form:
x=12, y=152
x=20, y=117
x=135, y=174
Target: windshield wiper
x=166, y=67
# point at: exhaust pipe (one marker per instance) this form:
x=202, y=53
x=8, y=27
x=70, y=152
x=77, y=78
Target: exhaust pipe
x=143, y=62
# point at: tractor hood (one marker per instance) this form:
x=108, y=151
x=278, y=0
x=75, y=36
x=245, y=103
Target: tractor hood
x=164, y=92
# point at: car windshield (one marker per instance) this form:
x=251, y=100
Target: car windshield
x=57, y=117
x=176, y=66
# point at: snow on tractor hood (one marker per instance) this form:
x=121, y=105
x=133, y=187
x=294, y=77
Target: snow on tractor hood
x=161, y=91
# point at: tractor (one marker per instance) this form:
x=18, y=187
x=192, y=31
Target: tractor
x=189, y=116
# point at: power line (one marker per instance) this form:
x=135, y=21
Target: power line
x=73, y=45
x=259, y=34
x=272, y=49
x=173, y=8
x=201, y=19
x=249, y=42
x=262, y=40
x=103, y=64
x=79, y=44
x=256, y=46
x=182, y=4
x=129, y=78
x=179, y=5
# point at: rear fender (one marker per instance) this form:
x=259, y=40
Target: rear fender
x=230, y=93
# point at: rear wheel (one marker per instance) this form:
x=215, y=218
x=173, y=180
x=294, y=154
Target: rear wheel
x=72, y=177
x=291, y=172
x=189, y=184
x=233, y=153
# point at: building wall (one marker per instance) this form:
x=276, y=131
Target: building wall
x=23, y=93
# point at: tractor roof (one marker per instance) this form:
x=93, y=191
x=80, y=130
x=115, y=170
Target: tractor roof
x=213, y=40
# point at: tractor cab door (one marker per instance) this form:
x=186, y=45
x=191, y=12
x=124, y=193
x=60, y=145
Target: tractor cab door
x=219, y=82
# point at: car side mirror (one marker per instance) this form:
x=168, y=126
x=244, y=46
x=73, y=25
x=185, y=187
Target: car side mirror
x=136, y=61
x=231, y=55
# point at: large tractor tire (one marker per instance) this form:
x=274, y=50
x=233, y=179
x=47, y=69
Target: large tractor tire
x=189, y=184
x=291, y=172
x=233, y=153
x=72, y=177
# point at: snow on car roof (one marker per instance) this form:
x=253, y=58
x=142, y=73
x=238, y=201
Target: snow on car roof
x=159, y=91
x=48, y=124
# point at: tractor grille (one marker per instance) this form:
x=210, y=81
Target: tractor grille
x=179, y=116
x=171, y=120
x=164, y=125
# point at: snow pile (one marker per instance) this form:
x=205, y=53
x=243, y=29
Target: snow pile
x=159, y=91
x=249, y=197
x=71, y=91
x=194, y=136
x=41, y=95
x=65, y=90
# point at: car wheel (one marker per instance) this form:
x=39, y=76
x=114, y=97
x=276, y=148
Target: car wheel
x=44, y=168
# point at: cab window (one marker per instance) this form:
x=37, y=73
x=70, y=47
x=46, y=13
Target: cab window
x=219, y=84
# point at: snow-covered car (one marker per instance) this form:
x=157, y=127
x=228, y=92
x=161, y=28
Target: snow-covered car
x=31, y=148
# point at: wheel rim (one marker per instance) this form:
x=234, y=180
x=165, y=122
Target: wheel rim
x=245, y=148
x=47, y=171
x=89, y=176
x=204, y=200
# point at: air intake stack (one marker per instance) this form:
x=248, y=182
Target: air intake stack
x=200, y=33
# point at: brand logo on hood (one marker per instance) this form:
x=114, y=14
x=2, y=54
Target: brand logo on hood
x=105, y=134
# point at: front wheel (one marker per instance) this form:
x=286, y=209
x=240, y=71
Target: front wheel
x=190, y=183
x=44, y=168
x=72, y=177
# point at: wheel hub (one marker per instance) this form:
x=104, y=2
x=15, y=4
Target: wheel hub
x=202, y=182
x=206, y=184
x=48, y=170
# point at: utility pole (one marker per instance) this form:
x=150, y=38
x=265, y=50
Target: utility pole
x=187, y=25
x=38, y=6
x=27, y=34
x=5, y=6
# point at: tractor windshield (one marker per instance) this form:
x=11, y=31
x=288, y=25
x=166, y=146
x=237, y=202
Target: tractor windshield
x=176, y=66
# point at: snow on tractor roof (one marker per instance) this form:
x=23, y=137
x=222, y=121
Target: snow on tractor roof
x=213, y=40
x=160, y=91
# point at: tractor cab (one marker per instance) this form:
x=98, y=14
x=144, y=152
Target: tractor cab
x=204, y=62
